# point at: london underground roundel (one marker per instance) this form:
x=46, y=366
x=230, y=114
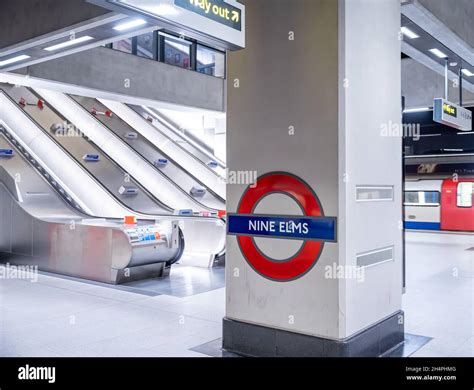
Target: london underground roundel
x=313, y=228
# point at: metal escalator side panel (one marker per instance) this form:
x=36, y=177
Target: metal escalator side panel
x=11, y=185
x=33, y=185
x=97, y=250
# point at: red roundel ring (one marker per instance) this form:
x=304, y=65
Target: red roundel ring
x=308, y=255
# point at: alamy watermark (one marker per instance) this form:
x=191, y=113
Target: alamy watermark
x=26, y=272
x=407, y=130
x=32, y=373
x=65, y=129
x=338, y=271
x=239, y=177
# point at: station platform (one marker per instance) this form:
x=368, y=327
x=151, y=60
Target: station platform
x=439, y=298
x=59, y=316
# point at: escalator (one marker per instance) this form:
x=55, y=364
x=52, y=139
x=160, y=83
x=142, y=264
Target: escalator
x=156, y=134
x=185, y=140
x=43, y=227
x=152, y=153
x=89, y=156
x=148, y=175
x=82, y=179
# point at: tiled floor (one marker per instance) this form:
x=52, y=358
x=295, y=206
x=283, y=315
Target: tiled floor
x=439, y=299
x=64, y=317
x=182, y=316
x=186, y=281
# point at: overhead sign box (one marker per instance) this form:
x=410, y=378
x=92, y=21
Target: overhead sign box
x=217, y=10
x=219, y=23
x=452, y=115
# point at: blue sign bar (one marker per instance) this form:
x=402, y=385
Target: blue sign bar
x=91, y=157
x=161, y=162
x=6, y=152
x=290, y=227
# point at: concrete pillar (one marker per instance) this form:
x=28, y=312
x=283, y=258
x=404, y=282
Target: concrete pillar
x=313, y=106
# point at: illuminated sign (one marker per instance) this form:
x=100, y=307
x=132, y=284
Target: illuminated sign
x=216, y=10
x=452, y=115
x=450, y=109
x=216, y=23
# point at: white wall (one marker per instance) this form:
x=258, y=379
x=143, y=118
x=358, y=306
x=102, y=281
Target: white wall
x=370, y=61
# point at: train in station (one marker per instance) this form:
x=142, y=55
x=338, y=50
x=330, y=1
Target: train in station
x=439, y=204
x=439, y=187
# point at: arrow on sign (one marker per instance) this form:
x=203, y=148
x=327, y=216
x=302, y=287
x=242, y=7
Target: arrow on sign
x=235, y=16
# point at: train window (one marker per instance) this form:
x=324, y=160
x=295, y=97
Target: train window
x=412, y=197
x=431, y=197
x=422, y=198
x=465, y=192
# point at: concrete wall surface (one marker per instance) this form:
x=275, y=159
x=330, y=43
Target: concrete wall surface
x=121, y=73
x=21, y=20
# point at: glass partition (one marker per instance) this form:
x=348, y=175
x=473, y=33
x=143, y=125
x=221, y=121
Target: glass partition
x=210, y=61
x=173, y=50
x=146, y=45
x=176, y=51
x=125, y=45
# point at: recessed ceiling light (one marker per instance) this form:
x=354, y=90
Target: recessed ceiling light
x=408, y=33
x=71, y=42
x=438, y=53
x=163, y=10
x=419, y=109
x=14, y=59
x=468, y=73
x=129, y=25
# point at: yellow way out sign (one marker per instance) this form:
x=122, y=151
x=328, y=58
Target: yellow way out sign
x=217, y=10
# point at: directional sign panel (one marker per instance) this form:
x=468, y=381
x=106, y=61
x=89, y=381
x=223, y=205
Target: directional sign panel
x=452, y=115
x=217, y=10
x=218, y=23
